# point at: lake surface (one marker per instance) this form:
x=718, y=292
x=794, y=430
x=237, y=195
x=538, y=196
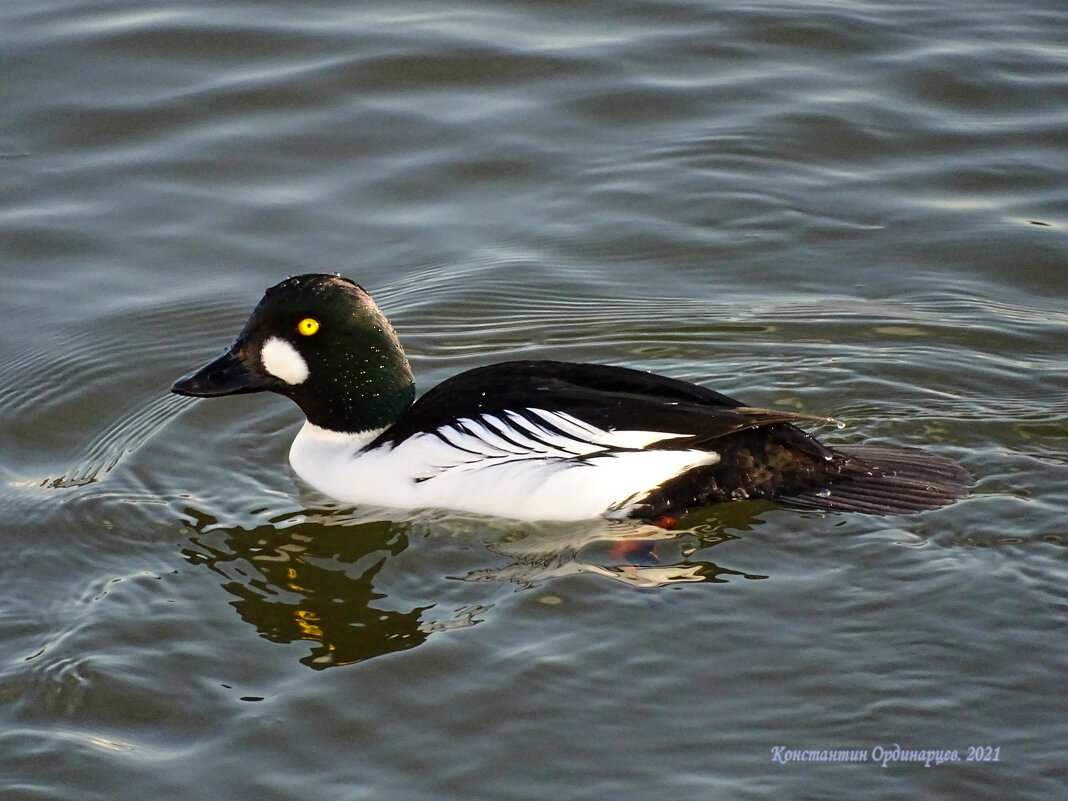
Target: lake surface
x=848, y=209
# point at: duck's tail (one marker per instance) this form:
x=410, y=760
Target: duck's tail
x=884, y=480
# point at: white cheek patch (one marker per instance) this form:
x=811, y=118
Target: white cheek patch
x=282, y=360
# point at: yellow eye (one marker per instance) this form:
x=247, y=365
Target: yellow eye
x=308, y=326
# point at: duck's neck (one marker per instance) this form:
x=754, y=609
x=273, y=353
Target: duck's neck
x=371, y=411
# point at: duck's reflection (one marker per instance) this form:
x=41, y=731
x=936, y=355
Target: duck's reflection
x=308, y=581
x=359, y=586
x=640, y=555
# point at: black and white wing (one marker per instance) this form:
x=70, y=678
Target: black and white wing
x=660, y=445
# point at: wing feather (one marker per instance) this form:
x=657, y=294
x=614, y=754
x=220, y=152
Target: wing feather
x=547, y=402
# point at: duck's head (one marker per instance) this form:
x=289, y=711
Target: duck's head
x=322, y=341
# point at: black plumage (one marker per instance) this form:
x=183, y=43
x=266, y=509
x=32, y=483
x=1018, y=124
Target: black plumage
x=762, y=453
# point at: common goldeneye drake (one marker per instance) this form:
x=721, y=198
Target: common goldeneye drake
x=535, y=440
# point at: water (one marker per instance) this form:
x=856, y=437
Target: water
x=855, y=210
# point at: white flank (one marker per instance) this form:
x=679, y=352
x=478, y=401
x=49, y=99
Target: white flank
x=282, y=360
x=506, y=466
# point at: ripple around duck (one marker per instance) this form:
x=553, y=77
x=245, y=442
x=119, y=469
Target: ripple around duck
x=123, y=436
x=51, y=391
x=69, y=363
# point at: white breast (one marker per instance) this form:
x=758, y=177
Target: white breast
x=556, y=469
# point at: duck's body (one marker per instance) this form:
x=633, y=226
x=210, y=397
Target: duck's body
x=535, y=439
x=512, y=440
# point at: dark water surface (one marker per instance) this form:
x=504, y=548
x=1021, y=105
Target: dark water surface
x=854, y=209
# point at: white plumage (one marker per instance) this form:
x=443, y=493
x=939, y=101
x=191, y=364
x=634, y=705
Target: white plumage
x=506, y=465
x=282, y=360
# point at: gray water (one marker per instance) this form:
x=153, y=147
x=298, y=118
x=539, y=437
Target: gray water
x=847, y=209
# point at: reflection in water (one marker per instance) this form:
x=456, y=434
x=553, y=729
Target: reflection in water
x=324, y=577
x=640, y=555
x=307, y=581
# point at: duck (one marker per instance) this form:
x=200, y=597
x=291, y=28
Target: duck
x=536, y=439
